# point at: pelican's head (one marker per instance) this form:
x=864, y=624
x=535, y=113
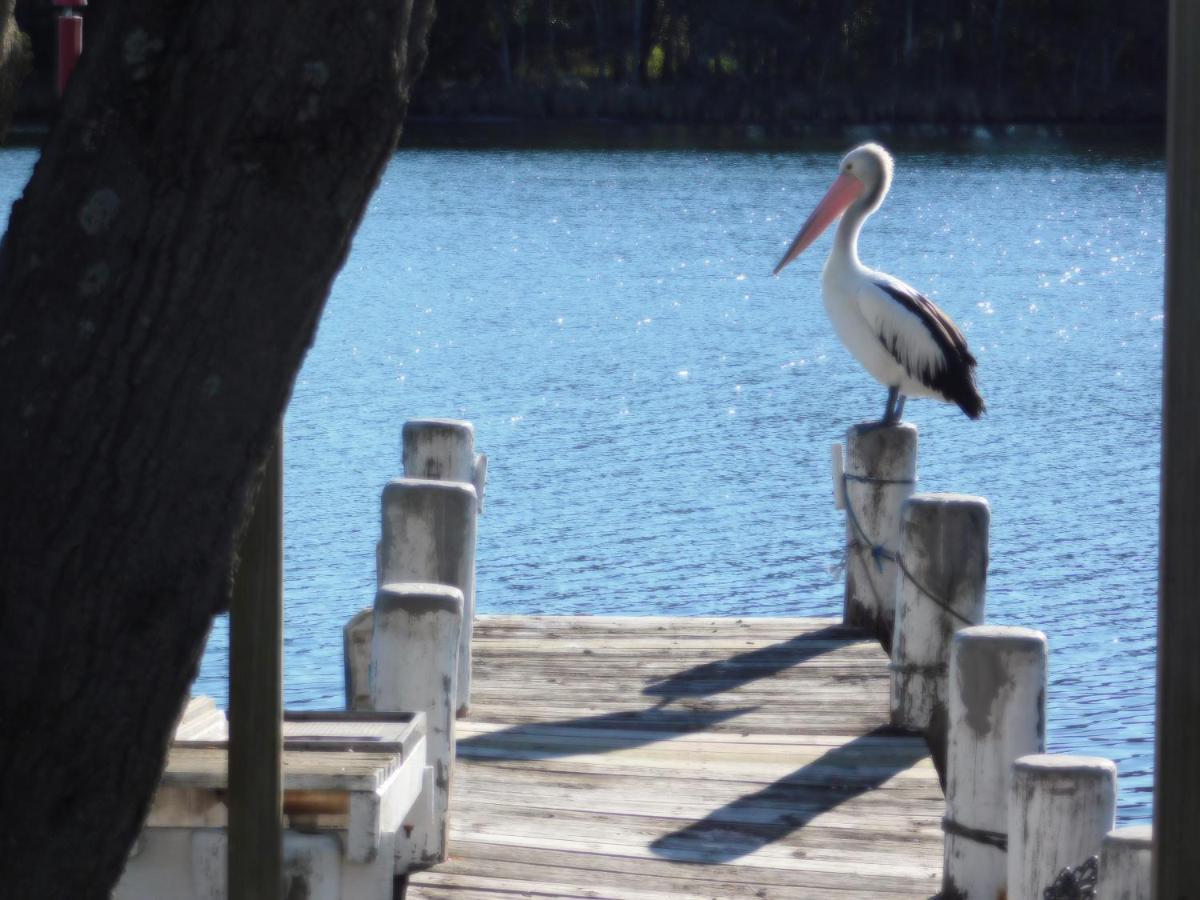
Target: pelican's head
x=864, y=176
x=872, y=165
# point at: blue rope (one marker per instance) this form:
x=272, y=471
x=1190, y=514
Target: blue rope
x=879, y=553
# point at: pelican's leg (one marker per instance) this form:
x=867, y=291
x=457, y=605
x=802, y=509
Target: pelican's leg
x=889, y=411
x=900, y=407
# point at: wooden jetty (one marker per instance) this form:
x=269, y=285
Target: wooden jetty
x=655, y=758
x=649, y=758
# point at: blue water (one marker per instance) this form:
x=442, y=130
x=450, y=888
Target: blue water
x=658, y=410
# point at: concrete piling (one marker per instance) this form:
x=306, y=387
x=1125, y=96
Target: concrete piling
x=439, y=449
x=943, y=574
x=1125, y=864
x=429, y=536
x=414, y=668
x=1060, y=808
x=996, y=713
x=880, y=474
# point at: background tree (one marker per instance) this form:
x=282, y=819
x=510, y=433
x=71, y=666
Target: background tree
x=797, y=61
x=16, y=59
x=160, y=282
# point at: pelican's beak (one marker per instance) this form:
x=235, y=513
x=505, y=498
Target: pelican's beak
x=845, y=190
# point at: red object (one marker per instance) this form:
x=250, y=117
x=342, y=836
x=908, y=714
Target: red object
x=70, y=39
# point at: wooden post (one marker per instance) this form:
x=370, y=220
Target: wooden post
x=414, y=668
x=1059, y=810
x=429, y=536
x=439, y=449
x=255, y=867
x=444, y=450
x=357, y=635
x=880, y=474
x=997, y=713
x=942, y=578
x=1125, y=864
x=1177, y=779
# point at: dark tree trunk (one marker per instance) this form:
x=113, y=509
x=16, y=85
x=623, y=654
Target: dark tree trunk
x=500, y=11
x=160, y=282
x=636, y=71
x=998, y=28
x=599, y=19
x=647, y=31
x=551, y=65
x=908, y=34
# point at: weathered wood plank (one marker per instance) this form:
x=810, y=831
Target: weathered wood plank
x=674, y=759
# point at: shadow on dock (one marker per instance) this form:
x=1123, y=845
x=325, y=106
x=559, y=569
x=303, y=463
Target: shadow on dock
x=621, y=731
x=723, y=675
x=771, y=814
x=679, y=758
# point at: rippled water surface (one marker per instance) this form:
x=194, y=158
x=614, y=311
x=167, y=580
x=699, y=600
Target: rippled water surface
x=658, y=410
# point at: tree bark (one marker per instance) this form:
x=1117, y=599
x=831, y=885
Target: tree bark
x=160, y=282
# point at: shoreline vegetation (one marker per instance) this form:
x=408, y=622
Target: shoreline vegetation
x=794, y=67
x=767, y=70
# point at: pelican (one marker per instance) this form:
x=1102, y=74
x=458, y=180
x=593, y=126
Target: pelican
x=902, y=339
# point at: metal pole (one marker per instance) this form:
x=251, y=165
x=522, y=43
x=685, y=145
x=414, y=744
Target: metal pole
x=255, y=866
x=1177, y=776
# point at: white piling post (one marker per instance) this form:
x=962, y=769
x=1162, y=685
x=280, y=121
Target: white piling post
x=1125, y=864
x=444, y=450
x=429, y=536
x=357, y=635
x=942, y=578
x=997, y=713
x=414, y=668
x=1060, y=808
x=439, y=449
x=880, y=474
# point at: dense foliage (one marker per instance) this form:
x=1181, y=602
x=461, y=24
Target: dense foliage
x=772, y=62
x=763, y=60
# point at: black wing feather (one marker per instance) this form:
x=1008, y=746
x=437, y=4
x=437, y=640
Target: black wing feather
x=955, y=380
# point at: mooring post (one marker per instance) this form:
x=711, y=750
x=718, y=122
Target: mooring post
x=429, y=536
x=880, y=474
x=996, y=713
x=1060, y=807
x=444, y=450
x=943, y=564
x=1126, y=864
x=357, y=635
x=439, y=449
x=414, y=668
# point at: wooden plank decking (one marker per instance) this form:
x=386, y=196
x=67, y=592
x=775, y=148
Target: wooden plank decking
x=685, y=758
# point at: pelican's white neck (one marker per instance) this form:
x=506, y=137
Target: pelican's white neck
x=878, y=171
x=845, y=241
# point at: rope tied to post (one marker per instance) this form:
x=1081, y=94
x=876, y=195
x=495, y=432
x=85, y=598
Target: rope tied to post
x=879, y=552
x=997, y=839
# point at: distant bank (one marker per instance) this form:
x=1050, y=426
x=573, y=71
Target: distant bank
x=787, y=111
x=511, y=132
